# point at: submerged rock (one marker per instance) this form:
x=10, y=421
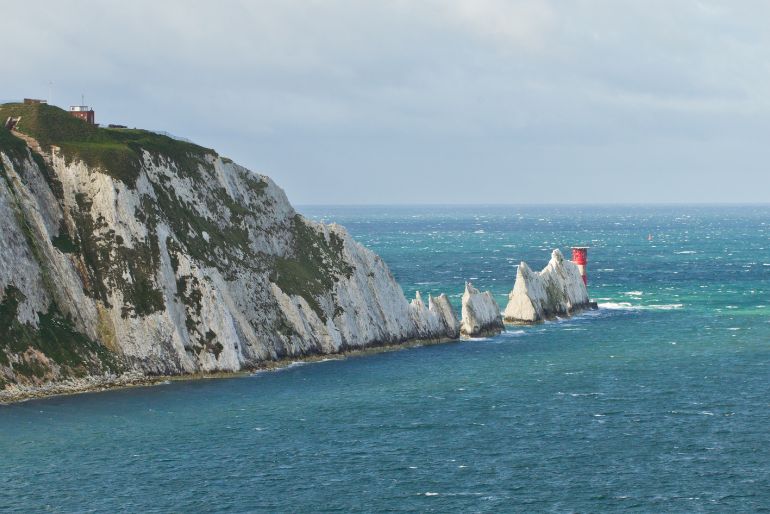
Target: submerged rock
x=557, y=290
x=480, y=313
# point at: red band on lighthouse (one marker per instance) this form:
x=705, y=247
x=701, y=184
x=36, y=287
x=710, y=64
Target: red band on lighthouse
x=580, y=257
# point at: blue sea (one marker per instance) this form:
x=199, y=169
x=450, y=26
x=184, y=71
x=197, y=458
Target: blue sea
x=657, y=402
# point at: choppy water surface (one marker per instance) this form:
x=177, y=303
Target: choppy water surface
x=658, y=402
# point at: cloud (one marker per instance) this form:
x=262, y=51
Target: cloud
x=418, y=92
x=516, y=24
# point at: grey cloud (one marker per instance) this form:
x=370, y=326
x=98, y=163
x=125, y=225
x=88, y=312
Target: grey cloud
x=433, y=101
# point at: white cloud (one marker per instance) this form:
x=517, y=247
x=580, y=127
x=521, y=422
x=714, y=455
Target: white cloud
x=515, y=23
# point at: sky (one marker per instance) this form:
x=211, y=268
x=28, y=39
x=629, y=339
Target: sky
x=434, y=101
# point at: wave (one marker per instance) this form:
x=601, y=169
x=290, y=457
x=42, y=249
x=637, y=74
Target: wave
x=617, y=306
x=685, y=252
x=627, y=306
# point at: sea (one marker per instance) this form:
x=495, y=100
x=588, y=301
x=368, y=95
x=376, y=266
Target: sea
x=659, y=401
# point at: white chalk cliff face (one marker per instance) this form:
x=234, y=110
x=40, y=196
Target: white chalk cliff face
x=555, y=291
x=480, y=313
x=181, y=262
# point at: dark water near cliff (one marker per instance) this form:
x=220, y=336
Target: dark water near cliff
x=658, y=402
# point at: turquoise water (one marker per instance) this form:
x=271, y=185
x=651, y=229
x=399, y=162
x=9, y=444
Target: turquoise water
x=658, y=402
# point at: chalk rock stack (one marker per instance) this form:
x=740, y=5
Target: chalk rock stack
x=436, y=320
x=480, y=312
x=557, y=290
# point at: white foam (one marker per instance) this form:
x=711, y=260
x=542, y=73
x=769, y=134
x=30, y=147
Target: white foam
x=685, y=252
x=631, y=307
x=665, y=307
x=633, y=293
x=617, y=306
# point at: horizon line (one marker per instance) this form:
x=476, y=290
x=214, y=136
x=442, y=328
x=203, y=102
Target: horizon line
x=544, y=204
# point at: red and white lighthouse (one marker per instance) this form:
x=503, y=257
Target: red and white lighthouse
x=580, y=257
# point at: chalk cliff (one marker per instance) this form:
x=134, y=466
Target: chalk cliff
x=555, y=291
x=480, y=313
x=125, y=251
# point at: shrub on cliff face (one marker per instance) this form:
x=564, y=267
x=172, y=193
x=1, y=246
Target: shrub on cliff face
x=112, y=265
x=55, y=337
x=314, y=266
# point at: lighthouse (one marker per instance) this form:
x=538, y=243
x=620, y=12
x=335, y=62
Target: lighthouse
x=580, y=257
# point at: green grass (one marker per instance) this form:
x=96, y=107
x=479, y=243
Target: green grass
x=115, y=159
x=10, y=144
x=116, y=152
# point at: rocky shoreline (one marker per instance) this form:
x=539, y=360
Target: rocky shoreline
x=15, y=393
x=536, y=297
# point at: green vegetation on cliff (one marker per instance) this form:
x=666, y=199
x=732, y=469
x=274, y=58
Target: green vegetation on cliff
x=314, y=267
x=11, y=144
x=55, y=337
x=116, y=152
x=224, y=219
x=113, y=265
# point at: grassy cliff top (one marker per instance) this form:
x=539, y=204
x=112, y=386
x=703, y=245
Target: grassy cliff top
x=116, y=152
x=10, y=143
